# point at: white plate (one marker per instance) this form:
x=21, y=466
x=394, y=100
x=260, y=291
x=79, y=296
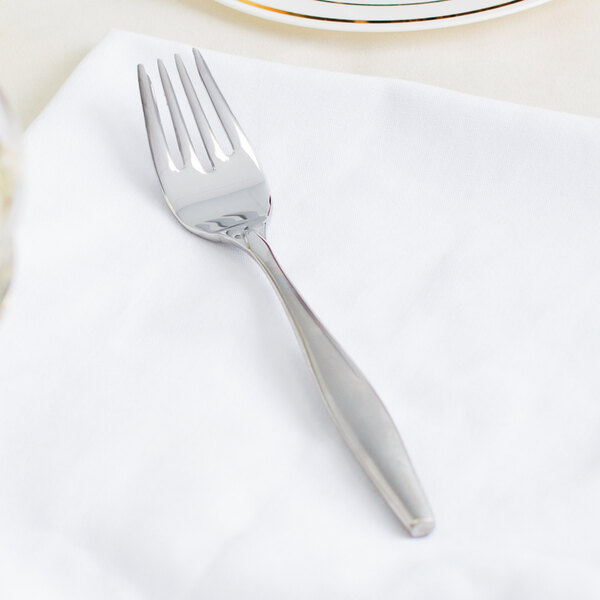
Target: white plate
x=379, y=15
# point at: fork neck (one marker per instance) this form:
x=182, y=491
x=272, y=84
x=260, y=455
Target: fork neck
x=254, y=242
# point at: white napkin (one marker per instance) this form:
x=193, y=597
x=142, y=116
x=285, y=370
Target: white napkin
x=160, y=433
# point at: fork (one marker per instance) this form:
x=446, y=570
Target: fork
x=224, y=197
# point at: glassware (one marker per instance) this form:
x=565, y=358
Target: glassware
x=8, y=168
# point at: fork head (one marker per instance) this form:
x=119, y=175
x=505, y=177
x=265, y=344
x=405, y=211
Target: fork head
x=221, y=195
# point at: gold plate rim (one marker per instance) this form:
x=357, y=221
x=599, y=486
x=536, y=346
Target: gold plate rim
x=342, y=21
x=384, y=5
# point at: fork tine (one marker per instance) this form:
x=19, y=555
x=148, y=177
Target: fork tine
x=230, y=125
x=156, y=136
x=213, y=150
x=183, y=137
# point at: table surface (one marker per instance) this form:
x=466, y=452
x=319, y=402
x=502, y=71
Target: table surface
x=548, y=56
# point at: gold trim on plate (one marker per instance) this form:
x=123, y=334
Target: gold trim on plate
x=370, y=4
x=376, y=21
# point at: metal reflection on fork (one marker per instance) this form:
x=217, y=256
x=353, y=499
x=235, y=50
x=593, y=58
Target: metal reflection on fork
x=229, y=201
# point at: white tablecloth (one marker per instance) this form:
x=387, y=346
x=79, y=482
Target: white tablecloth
x=548, y=56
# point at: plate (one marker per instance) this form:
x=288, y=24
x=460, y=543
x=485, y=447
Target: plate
x=379, y=15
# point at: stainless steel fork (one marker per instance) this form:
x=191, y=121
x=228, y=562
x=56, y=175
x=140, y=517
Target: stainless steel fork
x=227, y=199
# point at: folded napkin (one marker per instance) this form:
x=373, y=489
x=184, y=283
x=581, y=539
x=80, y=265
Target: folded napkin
x=160, y=433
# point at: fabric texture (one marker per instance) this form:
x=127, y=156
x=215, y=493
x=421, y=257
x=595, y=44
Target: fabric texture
x=160, y=432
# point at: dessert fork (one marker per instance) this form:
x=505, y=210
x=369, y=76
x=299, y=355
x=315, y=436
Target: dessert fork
x=224, y=197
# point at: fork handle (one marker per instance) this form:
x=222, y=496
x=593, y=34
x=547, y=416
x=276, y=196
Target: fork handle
x=359, y=414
